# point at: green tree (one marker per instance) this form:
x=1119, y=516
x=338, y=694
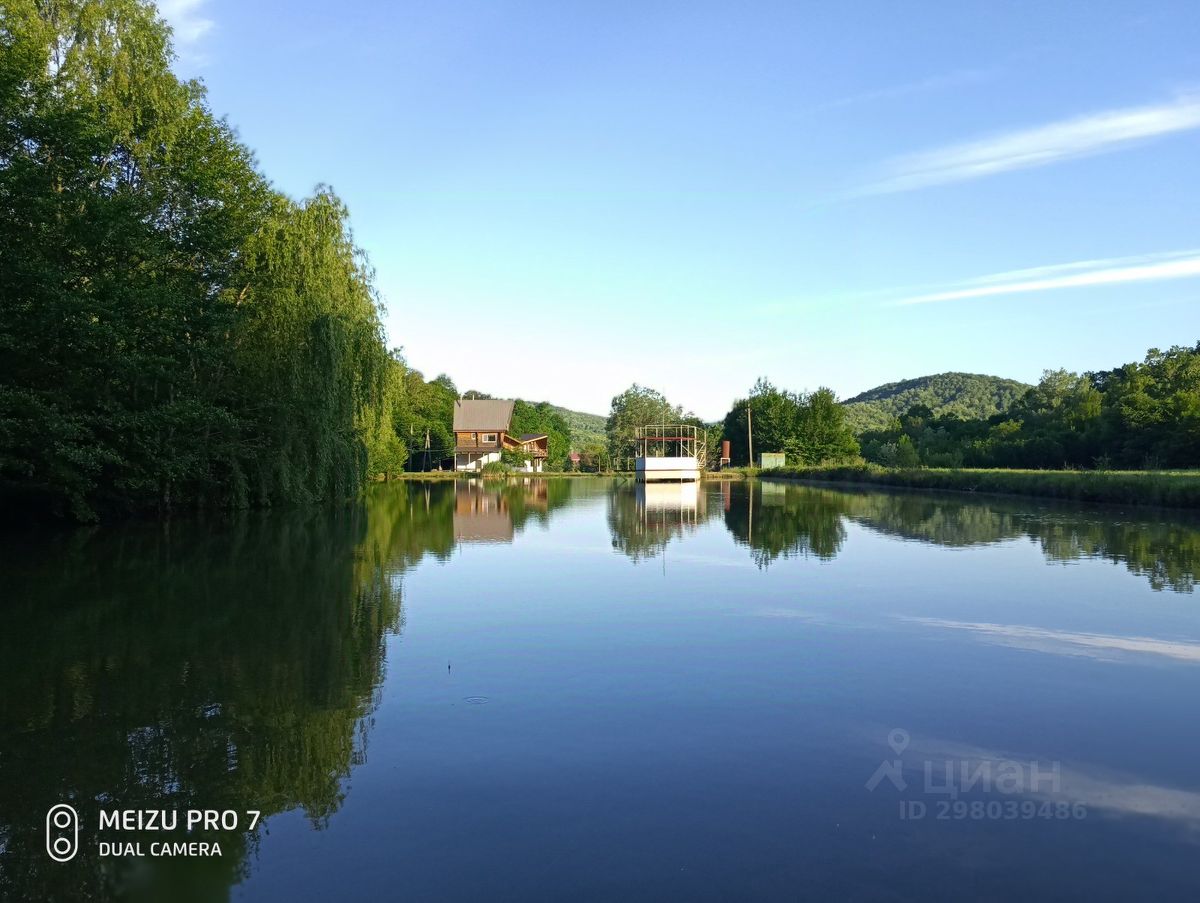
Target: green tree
x=906, y=454
x=821, y=432
x=386, y=450
x=771, y=412
x=636, y=406
x=543, y=417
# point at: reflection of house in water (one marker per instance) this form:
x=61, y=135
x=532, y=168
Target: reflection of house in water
x=479, y=515
x=492, y=514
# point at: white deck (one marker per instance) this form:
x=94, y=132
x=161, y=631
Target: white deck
x=654, y=470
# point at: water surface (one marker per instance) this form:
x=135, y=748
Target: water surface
x=574, y=689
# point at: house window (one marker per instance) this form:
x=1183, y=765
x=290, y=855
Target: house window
x=474, y=437
x=489, y=437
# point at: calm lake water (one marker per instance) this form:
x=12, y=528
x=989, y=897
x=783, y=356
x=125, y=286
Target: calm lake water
x=577, y=690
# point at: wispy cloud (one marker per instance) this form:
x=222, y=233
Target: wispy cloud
x=907, y=89
x=1080, y=274
x=188, y=22
x=1066, y=140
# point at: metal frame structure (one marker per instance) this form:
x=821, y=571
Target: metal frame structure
x=672, y=440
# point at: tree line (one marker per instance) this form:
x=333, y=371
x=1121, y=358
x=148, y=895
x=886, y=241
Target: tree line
x=1143, y=415
x=808, y=427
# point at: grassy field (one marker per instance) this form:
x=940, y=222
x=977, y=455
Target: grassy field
x=1174, y=489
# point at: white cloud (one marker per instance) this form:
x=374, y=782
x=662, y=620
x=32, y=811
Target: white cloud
x=187, y=20
x=893, y=92
x=1080, y=274
x=1061, y=642
x=1072, y=138
x=1095, y=787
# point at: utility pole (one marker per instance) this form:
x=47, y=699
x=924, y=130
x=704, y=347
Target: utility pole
x=750, y=432
x=427, y=450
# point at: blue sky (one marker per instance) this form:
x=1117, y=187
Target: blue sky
x=691, y=195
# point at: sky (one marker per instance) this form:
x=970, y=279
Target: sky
x=562, y=199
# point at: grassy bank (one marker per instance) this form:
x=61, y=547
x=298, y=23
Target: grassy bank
x=436, y=475
x=1175, y=489
x=729, y=473
x=738, y=473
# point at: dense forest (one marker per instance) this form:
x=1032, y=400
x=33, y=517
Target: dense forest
x=586, y=429
x=1142, y=415
x=970, y=396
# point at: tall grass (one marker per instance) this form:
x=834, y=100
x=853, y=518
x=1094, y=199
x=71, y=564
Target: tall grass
x=1175, y=489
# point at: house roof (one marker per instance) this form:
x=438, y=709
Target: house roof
x=482, y=414
x=526, y=437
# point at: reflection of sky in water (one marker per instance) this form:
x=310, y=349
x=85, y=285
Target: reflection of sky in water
x=687, y=717
x=1061, y=642
x=686, y=694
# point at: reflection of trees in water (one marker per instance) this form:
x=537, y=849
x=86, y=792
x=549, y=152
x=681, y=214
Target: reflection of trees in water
x=235, y=664
x=1166, y=551
x=775, y=520
x=229, y=664
x=932, y=519
x=224, y=665
x=785, y=521
x=643, y=518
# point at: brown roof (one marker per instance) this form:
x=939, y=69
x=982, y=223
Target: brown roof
x=482, y=414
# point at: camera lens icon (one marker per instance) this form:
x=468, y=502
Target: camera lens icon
x=62, y=832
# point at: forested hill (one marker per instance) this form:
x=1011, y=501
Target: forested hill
x=968, y=395
x=586, y=429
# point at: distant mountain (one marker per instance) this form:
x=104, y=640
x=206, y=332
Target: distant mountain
x=967, y=395
x=586, y=429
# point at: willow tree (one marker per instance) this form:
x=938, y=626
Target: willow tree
x=381, y=422
x=310, y=352
x=173, y=332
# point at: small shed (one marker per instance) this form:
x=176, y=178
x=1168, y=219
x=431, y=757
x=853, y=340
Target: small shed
x=767, y=460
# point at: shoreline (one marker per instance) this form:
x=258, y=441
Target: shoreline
x=1151, y=489
x=435, y=476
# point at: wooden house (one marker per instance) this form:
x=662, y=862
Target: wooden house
x=481, y=433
